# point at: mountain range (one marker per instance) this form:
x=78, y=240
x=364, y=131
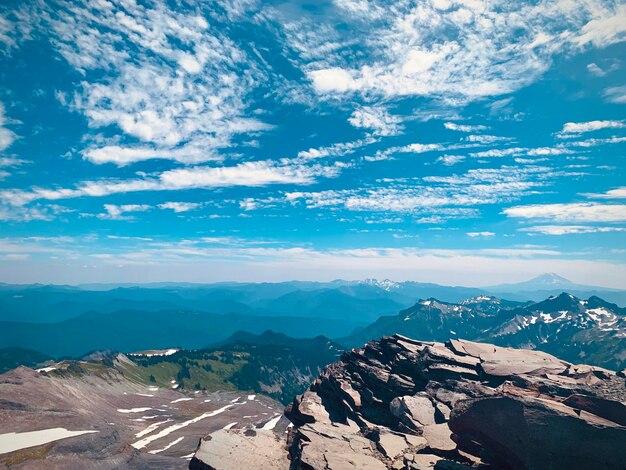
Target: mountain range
x=591, y=331
x=360, y=301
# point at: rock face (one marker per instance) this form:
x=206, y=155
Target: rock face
x=405, y=404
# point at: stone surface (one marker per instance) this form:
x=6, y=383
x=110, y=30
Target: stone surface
x=240, y=449
x=404, y=404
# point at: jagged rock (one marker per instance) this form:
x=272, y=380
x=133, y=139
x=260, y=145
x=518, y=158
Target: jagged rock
x=239, y=449
x=423, y=461
x=404, y=404
x=417, y=409
x=525, y=432
x=393, y=444
x=439, y=437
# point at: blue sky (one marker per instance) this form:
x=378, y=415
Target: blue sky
x=459, y=142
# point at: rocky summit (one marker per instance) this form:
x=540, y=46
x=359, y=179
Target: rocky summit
x=399, y=403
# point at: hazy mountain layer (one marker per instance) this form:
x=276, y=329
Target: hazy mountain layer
x=356, y=301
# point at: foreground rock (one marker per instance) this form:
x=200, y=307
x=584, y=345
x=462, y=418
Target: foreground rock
x=404, y=404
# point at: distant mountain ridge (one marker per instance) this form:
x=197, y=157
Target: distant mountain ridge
x=591, y=331
x=361, y=301
x=547, y=281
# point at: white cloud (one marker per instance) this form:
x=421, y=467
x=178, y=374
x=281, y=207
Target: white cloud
x=418, y=148
x=6, y=162
x=10, y=213
x=182, y=93
x=333, y=79
x=499, y=152
x=595, y=70
x=7, y=136
x=450, y=160
x=377, y=119
x=617, y=193
x=180, y=206
x=249, y=204
x=481, y=234
x=571, y=212
x=549, y=151
x=122, y=156
x=573, y=129
x=258, y=173
x=595, y=142
x=616, y=94
x=464, y=127
x=335, y=150
x=604, y=30
x=487, y=139
x=447, y=197
x=466, y=51
x=117, y=212
x=570, y=229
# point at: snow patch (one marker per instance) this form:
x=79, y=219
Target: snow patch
x=167, y=431
x=181, y=399
x=151, y=428
x=271, y=424
x=156, y=352
x=156, y=451
x=13, y=441
x=133, y=410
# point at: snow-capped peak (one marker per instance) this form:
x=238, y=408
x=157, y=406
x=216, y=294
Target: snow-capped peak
x=551, y=279
x=385, y=284
x=480, y=298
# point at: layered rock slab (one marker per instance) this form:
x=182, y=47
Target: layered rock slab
x=405, y=404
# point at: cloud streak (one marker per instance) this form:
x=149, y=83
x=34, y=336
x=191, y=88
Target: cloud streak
x=248, y=174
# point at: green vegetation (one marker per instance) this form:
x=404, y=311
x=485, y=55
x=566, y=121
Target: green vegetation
x=272, y=364
x=10, y=358
x=191, y=370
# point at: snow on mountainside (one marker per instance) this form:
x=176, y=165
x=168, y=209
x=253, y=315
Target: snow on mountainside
x=544, y=282
x=384, y=284
x=551, y=279
x=592, y=330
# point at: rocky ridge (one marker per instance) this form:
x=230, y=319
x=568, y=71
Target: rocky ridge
x=590, y=331
x=398, y=403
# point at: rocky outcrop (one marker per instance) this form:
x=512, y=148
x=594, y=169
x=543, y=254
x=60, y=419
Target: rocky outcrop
x=404, y=404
